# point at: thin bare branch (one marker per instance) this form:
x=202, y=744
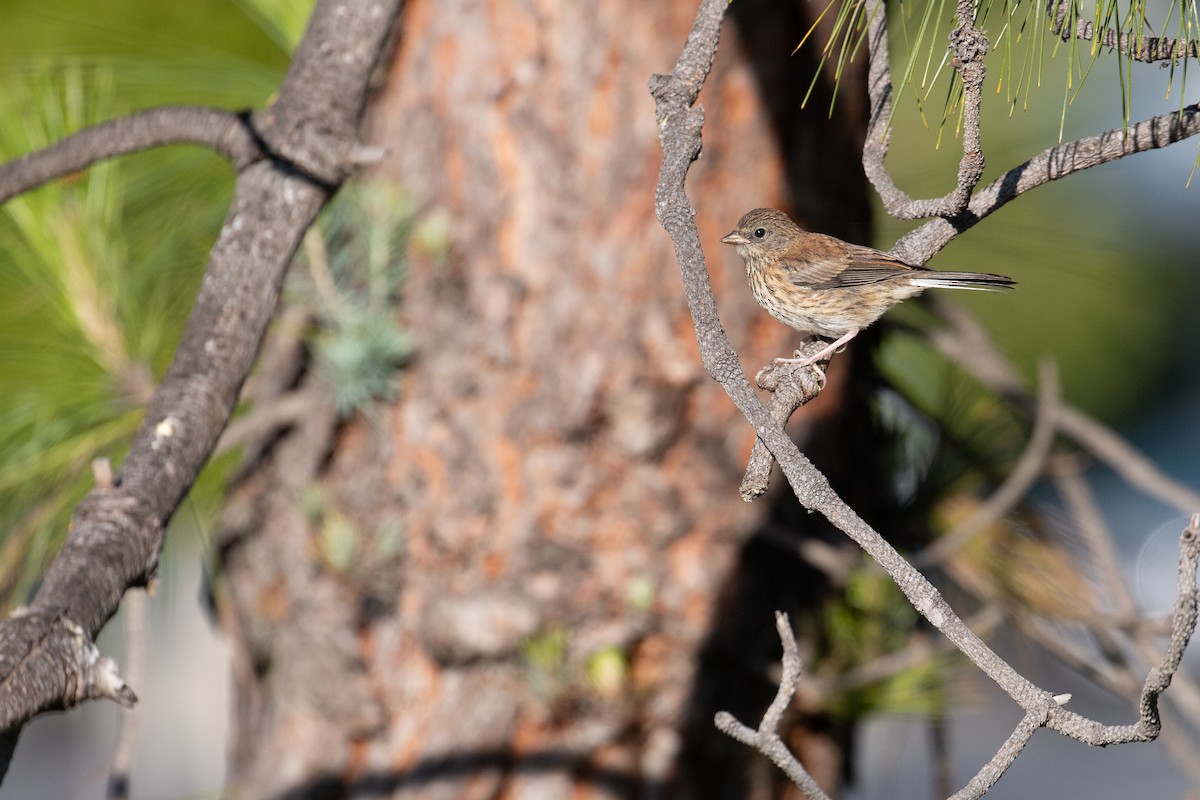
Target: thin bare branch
x=991, y=771
x=679, y=125
x=791, y=387
x=766, y=738
x=1183, y=624
x=920, y=244
x=1185, y=695
x=225, y=132
x=970, y=46
x=1147, y=49
x=1184, y=616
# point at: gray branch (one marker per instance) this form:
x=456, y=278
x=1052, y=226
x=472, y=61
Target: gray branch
x=791, y=386
x=970, y=46
x=223, y=131
x=679, y=125
x=919, y=245
x=1146, y=49
x=310, y=134
x=765, y=739
x=962, y=207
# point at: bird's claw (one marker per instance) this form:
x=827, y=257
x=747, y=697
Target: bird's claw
x=800, y=361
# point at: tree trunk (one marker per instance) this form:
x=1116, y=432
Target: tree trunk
x=560, y=472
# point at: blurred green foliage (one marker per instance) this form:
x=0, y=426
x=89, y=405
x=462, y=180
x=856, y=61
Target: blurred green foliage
x=355, y=259
x=1026, y=52
x=545, y=659
x=1105, y=274
x=870, y=621
x=1103, y=281
x=93, y=295
x=1097, y=291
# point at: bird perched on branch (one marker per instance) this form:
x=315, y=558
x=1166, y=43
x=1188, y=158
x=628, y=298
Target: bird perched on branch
x=827, y=287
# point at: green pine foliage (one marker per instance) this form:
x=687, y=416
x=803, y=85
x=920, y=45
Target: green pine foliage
x=1024, y=48
x=97, y=271
x=73, y=343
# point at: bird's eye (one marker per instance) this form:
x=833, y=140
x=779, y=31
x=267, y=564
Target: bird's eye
x=760, y=233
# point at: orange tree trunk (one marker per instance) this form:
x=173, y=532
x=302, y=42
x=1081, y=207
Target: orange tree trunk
x=559, y=473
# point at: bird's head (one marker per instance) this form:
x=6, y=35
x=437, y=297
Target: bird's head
x=763, y=231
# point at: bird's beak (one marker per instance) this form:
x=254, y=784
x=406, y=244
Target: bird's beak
x=735, y=238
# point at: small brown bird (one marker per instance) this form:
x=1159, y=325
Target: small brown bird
x=828, y=287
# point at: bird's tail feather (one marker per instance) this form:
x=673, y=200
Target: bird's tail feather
x=979, y=281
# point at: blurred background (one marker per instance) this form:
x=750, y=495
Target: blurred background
x=97, y=273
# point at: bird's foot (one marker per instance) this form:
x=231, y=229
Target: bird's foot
x=803, y=361
x=800, y=360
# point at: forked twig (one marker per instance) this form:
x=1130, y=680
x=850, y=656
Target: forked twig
x=765, y=739
x=679, y=124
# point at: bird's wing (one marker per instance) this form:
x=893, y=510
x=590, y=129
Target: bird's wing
x=843, y=265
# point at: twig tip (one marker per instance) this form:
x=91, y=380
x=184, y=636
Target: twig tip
x=102, y=473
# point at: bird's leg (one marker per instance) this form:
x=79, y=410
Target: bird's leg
x=808, y=361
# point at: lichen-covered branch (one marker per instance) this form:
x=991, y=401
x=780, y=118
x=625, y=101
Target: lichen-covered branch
x=1146, y=49
x=310, y=134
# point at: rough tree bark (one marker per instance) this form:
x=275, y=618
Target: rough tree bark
x=556, y=449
